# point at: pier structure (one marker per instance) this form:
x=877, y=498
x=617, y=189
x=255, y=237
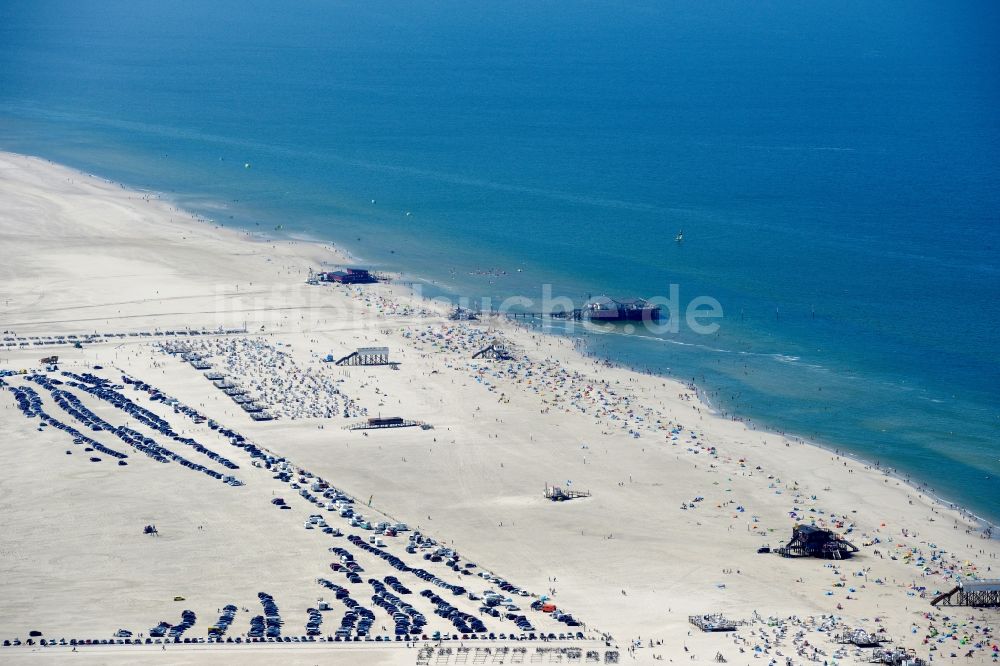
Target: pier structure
x=602, y=309
x=975, y=593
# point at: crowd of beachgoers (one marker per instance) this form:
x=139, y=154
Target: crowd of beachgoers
x=934, y=569
x=825, y=639
x=292, y=391
x=379, y=579
x=558, y=388
x=274, y=380
x=389, y=306
x=272, y=367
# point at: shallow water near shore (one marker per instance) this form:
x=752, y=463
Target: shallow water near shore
x=834, y=173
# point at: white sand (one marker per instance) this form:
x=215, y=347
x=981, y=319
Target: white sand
x=82, y=255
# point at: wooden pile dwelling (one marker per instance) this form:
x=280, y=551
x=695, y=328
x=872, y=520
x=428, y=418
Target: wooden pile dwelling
x=385, y=422
x=557, y=494
x=896, y=657
x=496, y=352
x=860, y=638
x=629, y=309
x=976, y=593
x=367, y=356
x=712, y=623
x=601, y=309
x=812, y=541
x=463, y=314
x=351, y=275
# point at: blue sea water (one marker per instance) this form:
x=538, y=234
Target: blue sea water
x=834, y=167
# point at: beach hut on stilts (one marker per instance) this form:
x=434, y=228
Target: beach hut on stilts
x=812, y=541
x=558, y=494
x=974, y=593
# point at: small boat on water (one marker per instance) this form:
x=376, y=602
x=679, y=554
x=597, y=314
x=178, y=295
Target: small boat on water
x=679, y=238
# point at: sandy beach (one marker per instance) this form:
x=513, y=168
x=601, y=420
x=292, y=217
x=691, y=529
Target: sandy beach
x=680, y=499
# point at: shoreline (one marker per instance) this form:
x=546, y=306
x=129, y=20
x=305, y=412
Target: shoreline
x=891, y=472
x=625, y=558
x=344, y=256
x=830, y=447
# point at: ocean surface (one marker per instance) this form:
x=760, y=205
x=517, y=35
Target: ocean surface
x=833, y=165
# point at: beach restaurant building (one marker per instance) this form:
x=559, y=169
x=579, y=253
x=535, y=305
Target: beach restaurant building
x=351, y=276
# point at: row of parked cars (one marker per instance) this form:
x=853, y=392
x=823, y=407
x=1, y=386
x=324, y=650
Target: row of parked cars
x=464, y=622
x=71, y=404
x=312, y=624
x=187, y=621
x=398, y=564
x=346, y=564
x=408, y=620
x=30, y=404
x=173, y=631
x=357, y=621
x=187, y=640
x=272, y=619
x=162, y=454
x=221, y=626
x=398, y=587
x=104, y=390
x=559, y=615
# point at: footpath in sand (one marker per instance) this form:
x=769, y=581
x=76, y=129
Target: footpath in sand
x=680, y=500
